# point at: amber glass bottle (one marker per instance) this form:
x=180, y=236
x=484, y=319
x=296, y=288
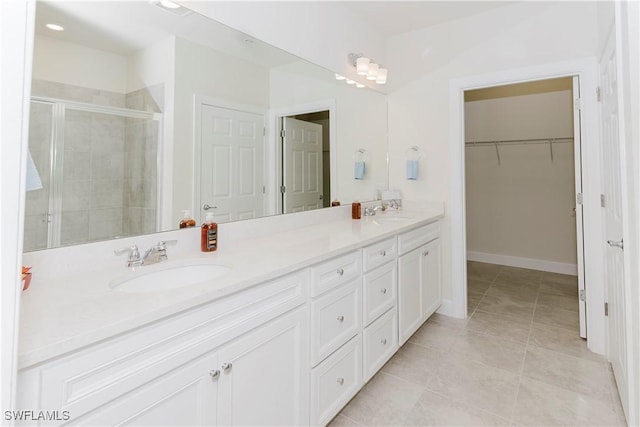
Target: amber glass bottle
x=209, y=235
x=356, y=210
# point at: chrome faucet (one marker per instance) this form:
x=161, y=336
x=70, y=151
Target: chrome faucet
x=370, y=211
x=153, y=255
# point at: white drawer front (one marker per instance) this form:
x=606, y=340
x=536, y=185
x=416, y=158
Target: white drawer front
x=379, y=290
x=335, y=381
x=380, y=343
x=414, y=238
x=379, y=253
x=335, y=318
x=335, y=272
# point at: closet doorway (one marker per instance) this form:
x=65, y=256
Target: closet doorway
x=523, y=185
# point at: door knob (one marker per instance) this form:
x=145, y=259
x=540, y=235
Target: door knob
x=206, y=207
x=615, y=244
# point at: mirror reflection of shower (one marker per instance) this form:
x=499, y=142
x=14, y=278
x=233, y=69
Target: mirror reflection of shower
x=98, y=162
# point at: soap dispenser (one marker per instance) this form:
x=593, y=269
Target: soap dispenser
x=187, y=220
x=209, y=234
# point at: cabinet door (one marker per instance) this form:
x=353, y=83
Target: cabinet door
x=409, y=293
x=264, y=376
x=431, y=281
x=184, y=396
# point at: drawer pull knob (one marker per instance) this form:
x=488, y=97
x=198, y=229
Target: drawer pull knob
x=340, y=272
x=341, y=318
x=383, y=290
x=226, y=366
x=214, y=374
x=340, y=381
x=383, y=341
x=383, y=253
x=425, y=253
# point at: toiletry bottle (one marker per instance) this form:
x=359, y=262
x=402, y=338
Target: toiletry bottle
x=187, y=220
x=209, y=234
x=335, y=202
x=356, y=210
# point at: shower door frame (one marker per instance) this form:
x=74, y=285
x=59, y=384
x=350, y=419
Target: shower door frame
x=58, y=113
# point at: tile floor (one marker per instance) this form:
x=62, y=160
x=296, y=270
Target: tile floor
x=516, y=360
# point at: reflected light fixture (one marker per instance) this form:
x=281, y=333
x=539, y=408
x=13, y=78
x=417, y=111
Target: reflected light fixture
x=359, y=85
x=382, y=76
x=339, y=77
x=55, y=27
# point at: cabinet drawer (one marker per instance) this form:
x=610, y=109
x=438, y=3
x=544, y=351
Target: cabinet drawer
x=414, y=238
x=379, y=291
x=335, y=381
x=335, y=318
x=380, y=343
x=335, y=272
x=379, y=253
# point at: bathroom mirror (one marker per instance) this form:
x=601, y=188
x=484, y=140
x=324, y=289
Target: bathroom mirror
x=134, y=112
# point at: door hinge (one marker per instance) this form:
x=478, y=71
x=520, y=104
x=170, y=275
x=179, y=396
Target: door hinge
x=264, y=131
x=579, y=198
x=606, y=308
x=282, y=189
x=582, y=293
x=577, y=103
x=602, y=204
x=282, y=133
x=264, y=190
x=598, y=94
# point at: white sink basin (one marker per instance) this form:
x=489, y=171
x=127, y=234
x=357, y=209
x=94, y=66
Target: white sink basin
x=163, y=277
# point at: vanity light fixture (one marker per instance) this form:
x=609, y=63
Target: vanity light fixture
x=55, y=27
x=169, y=4
x=339, y=77
x=367, y=67
x=172, y=7
x=359, y=85
x=350, y=82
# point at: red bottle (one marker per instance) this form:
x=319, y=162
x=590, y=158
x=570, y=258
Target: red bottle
x=356, y=210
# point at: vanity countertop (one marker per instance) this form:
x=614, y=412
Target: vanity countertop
x=63, y=314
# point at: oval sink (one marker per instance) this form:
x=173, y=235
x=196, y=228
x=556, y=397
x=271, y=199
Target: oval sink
x=167, y=277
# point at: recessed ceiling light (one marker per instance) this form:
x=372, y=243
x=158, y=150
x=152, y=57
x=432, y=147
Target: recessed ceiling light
x=55, y=27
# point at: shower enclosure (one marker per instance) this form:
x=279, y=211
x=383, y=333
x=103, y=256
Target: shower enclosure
x=99, y=169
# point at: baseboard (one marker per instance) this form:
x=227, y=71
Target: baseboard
x=446, y=308
x=533, y=264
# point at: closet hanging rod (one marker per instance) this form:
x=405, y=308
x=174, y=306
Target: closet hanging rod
x=521, y=141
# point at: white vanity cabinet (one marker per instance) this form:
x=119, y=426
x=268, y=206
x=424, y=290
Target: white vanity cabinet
x=242, y=359
x=419, y=281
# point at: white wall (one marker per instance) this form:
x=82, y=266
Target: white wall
x=519, y=35
x=150, y=66
x=323, y=32
x=360, y=122
x=71, y=63
x=522, y=207
x=203, y=71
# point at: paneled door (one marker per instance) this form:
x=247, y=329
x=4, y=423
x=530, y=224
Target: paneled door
x=302, y=165
x=614, y=266
x=231, y=164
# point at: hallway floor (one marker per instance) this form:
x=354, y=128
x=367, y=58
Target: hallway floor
x=516, y=360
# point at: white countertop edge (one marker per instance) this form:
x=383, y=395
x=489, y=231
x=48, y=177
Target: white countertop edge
x=34, y=348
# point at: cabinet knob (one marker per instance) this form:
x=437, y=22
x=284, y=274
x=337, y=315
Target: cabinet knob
x=340, y=381
x=383, y=290
x=226, y=366
x=341, y=318
x=214, y=374
x=340, y=272
x=425, y=253
x=383, y=341
x=383, y=253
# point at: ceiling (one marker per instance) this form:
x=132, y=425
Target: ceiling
x=396, y=17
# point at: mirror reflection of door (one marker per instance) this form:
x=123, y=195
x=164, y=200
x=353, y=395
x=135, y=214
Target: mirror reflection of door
x=305, y=160
x=231, y=177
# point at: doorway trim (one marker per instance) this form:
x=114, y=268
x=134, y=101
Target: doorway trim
x=586, y=70
x=274, y=150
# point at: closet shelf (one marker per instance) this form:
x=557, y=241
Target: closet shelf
x=496, y=144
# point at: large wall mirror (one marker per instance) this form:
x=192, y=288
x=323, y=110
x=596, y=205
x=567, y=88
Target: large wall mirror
x=139, y=112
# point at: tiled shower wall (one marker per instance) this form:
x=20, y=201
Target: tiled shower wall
x=109, y=167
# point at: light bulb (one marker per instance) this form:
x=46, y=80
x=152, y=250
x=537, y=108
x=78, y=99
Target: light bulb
x=362, y=65
x=350, y=82
x=373, y=71
x=382, y=76
x=339, y=77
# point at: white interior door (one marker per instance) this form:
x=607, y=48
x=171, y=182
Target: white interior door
x=302, y=165
x=614, y=265
x=231, y=168
x=577, y=153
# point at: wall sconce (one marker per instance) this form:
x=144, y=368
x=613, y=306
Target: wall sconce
x=366, y=67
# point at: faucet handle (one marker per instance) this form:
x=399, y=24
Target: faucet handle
x=131, y=250
x=164, y=243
